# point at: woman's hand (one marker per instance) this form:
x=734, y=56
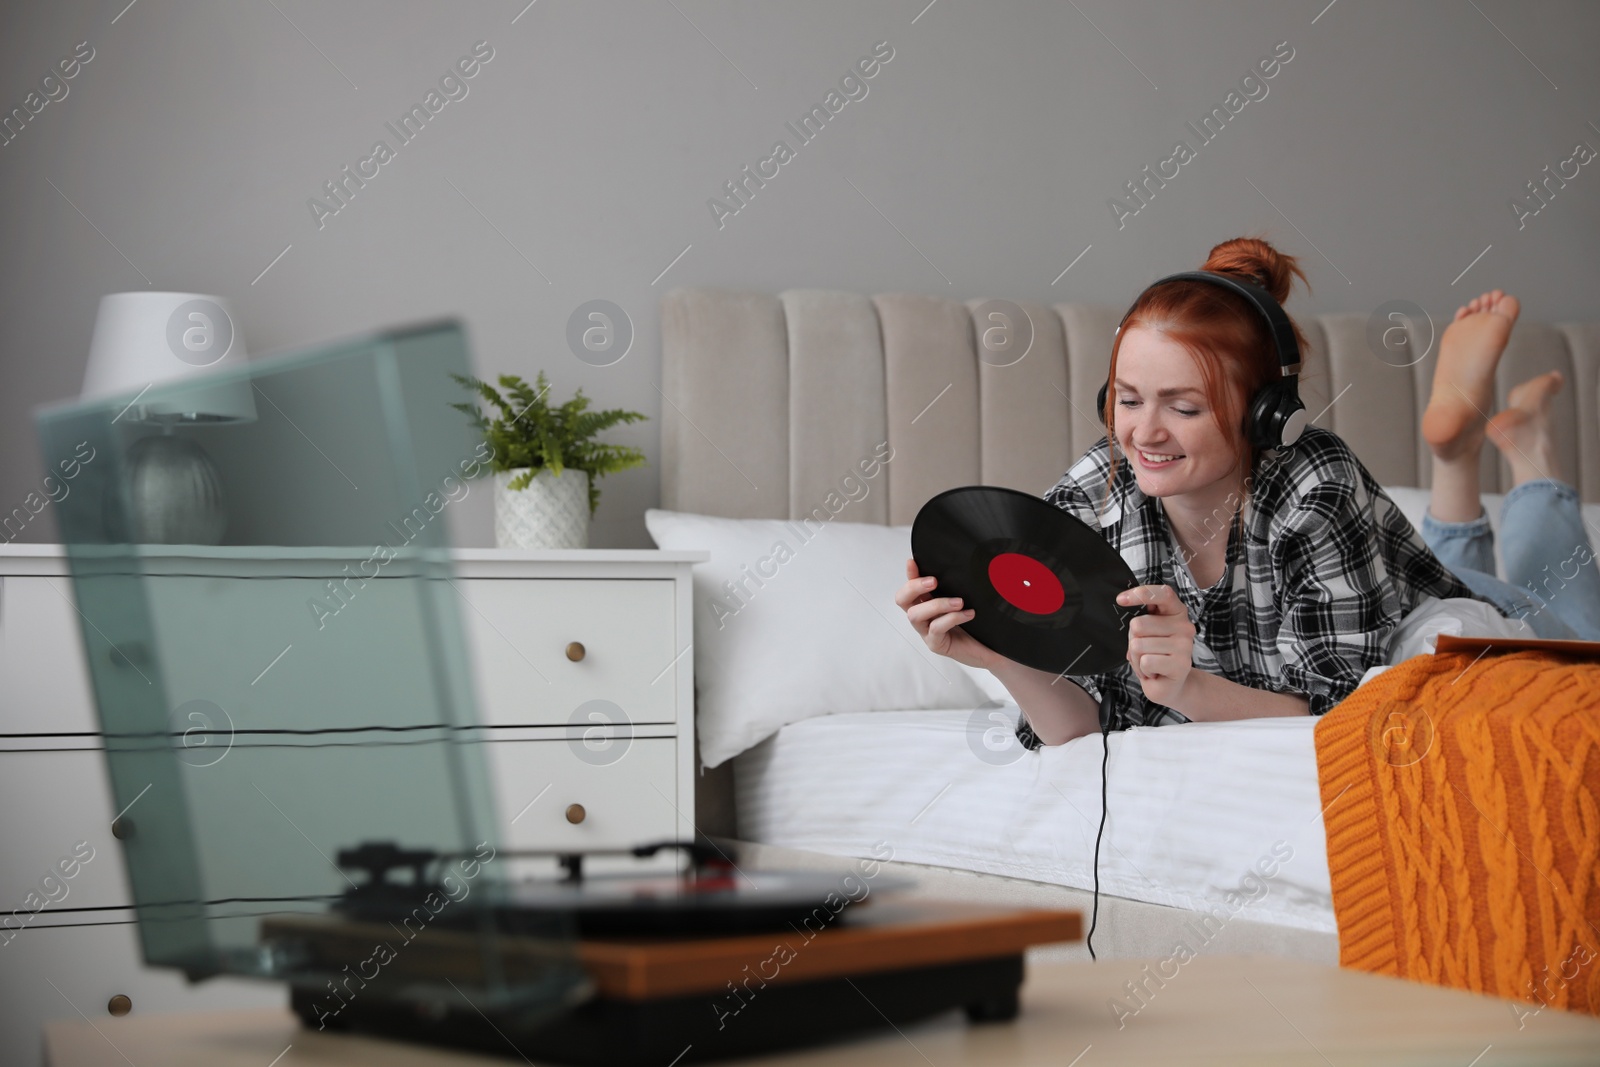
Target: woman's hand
x=938, y=619
x=1160, y=642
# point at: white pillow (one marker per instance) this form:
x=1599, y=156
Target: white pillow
x=794, y=620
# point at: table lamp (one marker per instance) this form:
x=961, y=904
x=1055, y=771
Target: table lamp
x=162, y=352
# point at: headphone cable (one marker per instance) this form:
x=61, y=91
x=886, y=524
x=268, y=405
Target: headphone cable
x=1105, y=755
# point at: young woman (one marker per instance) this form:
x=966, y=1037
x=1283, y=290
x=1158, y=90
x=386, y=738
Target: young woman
x=1270, y=582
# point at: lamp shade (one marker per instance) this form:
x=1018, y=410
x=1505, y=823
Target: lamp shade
x=163, y=348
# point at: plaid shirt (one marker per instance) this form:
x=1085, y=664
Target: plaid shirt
x=1321, y=567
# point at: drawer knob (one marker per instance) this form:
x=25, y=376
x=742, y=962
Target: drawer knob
x=575, y=651
x=122, y=828
x=575, y=813
x=119, y=1005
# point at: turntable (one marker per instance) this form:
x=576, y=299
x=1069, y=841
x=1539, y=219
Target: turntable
x=718, y=962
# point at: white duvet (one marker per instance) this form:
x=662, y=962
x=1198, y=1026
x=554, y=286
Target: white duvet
x=1203, y=816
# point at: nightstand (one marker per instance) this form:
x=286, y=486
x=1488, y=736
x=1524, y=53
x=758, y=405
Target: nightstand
x=562, y=643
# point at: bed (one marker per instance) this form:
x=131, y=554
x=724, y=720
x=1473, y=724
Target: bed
x=821, y=380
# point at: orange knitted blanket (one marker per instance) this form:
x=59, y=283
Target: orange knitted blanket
x=1462, y=807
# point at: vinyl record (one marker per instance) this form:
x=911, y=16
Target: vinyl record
x=711, y=896
x=1043, y=585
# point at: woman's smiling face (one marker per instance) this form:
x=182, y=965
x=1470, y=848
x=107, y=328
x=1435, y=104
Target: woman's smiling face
x=1164, y=424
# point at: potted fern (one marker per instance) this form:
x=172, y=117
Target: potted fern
x=545, y=460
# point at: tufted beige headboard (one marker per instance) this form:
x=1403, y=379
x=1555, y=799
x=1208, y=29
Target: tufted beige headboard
x=772, y=400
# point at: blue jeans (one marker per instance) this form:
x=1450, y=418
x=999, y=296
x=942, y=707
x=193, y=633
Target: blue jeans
x=1552, y=576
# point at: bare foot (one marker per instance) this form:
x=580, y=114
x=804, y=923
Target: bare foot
x=1522, y=430
x=1463, y=381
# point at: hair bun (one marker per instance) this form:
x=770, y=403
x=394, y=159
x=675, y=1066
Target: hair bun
x=1258, y=261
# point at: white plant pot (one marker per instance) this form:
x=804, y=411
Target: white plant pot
x=551, y=512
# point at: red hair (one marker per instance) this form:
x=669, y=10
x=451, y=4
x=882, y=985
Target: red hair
x=1225, y=334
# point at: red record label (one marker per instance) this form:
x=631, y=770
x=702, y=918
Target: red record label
x=1025, y=583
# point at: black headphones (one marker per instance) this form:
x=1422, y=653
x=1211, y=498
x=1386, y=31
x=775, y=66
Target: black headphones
x=1276, y=415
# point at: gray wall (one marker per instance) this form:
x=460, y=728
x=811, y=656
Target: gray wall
x=581, y=161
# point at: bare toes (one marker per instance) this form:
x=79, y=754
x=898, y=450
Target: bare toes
x=1507, y=305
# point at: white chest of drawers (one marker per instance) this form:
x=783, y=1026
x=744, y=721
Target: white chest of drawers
x=552, y=635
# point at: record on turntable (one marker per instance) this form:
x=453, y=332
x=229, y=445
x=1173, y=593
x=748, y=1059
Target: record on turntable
x=1042, y=585
x=712, y=896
